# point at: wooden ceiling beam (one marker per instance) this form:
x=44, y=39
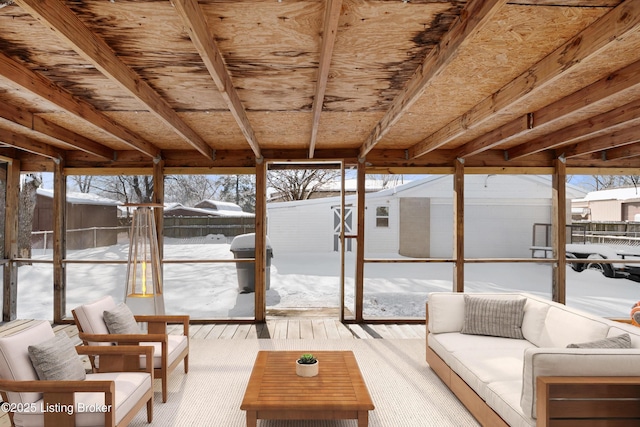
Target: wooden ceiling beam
x=473, y=17
x=620, y=153
x=616, y=119
x=497, y=136
x=600, y=143
x=620, y=21
x=204, y=41
x=614, y=85
x=55, y=15
x=332, y=13
x=41, y=86
x=15, y=115
x=32, y=146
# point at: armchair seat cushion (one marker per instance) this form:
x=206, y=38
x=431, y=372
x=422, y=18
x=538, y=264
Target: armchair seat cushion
x=177, y=343
x=130, y=387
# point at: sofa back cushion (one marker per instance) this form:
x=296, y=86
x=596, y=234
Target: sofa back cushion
x=535, y=314
x=621, y=328
x=446, y=312
x=564, y=326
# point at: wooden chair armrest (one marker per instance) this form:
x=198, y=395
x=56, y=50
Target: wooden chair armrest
x=60, y=395
x=120, y=358
x=123, y=338
x=38, y=386
x=158, y=323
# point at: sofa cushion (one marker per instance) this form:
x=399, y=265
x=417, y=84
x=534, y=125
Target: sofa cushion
x=446, y=312
x=535, y=314
x=494, y=317
x=56, y=359
x=620, y=341
x=14, y=358
x=504, y=398
x=480, y=360
x=564, y=325
x=120, y=320
x=622, y=328
x=91, y=317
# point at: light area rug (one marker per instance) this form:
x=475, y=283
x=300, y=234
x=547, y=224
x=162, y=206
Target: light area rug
x=404, y=390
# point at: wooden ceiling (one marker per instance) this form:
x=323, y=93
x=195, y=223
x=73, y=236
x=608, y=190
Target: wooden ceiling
x=221, y=83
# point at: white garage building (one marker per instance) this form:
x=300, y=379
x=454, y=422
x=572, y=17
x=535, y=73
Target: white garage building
x=416, y=219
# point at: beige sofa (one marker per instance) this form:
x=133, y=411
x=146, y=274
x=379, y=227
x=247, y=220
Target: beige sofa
x=535, y=380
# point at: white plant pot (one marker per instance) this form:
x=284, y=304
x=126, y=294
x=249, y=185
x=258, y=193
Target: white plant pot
x=304, y=370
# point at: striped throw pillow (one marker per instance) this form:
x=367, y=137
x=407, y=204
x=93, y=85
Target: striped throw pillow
x=620, y=341
x=494, y=317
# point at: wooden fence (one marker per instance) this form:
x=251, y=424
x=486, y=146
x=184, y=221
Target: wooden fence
x=194, y=226
x=179, y=227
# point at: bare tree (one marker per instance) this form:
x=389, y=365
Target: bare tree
x=387, y=180
x=300, y=184
x=28, y=196
x=82, y=182
x=602, y=182
x=238, y=189
x=189, y=189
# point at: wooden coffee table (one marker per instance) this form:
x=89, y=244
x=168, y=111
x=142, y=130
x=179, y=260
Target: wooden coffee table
x=275, y=392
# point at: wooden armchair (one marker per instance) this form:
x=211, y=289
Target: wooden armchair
x=112, y=396
x=170, y=350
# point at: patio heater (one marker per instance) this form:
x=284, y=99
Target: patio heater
x=144, y=275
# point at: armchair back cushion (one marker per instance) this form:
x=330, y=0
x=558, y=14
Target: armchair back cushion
x=91, y=317
x=15, y=363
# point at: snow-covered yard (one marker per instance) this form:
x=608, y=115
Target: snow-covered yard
x=301, y=280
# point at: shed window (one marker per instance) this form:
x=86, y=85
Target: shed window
x=382, y=216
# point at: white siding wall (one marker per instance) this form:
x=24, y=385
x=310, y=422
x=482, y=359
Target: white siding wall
x=381, y=239
x=300, y=228
x=502, y=230
x=499, y=215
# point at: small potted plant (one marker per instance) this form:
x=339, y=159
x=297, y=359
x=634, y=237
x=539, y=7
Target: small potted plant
x=307, y=365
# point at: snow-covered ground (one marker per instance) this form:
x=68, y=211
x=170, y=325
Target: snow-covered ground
x=303, y=280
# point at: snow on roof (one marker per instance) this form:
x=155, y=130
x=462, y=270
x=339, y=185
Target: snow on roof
x=213, y=212
x=218, y=205
x=81, y=198
x=627, y=193
x=572, y=190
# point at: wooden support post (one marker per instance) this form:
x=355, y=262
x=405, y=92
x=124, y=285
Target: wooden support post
x=12, y=201
x=559, y=233
x=359, y=291
x=59, y=242
x=158, y=198
x=458, y=226
x=261, y=241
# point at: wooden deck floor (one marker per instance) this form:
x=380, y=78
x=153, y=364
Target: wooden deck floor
x=314, y=328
